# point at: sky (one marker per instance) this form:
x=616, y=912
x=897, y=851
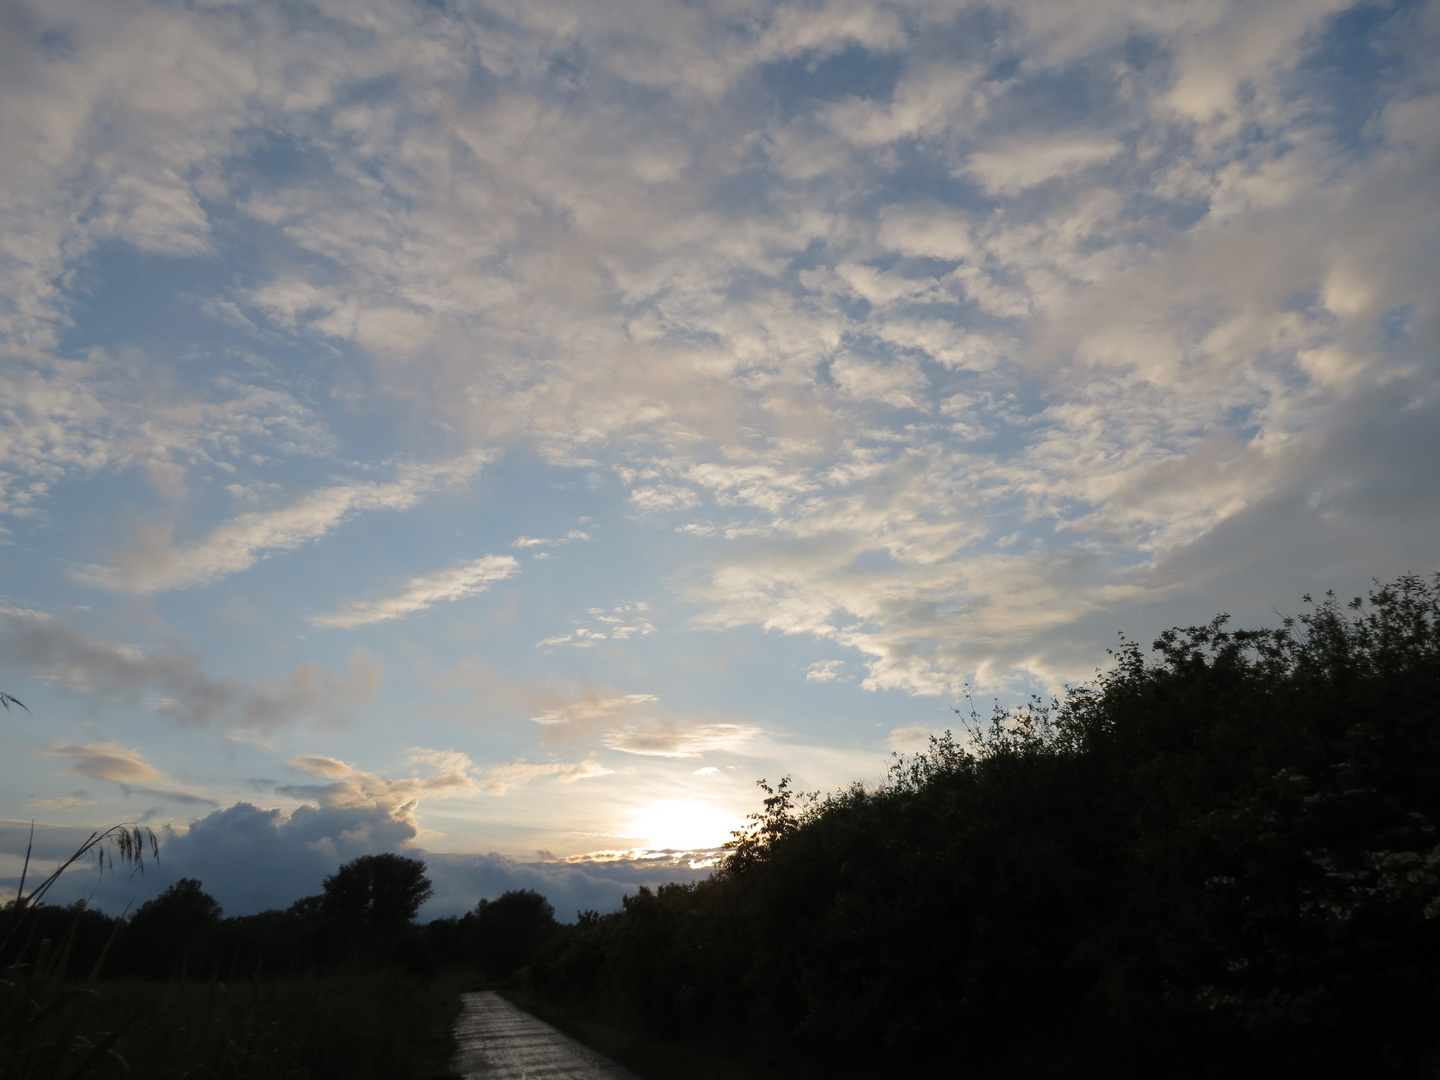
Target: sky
x=504, y=432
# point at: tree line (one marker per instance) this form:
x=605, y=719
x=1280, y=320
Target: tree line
x=363, y=919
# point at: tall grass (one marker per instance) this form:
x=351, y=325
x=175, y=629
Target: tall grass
x=60, y=1024
x=357, y=1027
x=48, y=1026
x=379, y=1026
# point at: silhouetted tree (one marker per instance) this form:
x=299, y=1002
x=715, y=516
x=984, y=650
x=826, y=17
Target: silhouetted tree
x=173, y=934
x=379, y=891
x=507, y=932
x=82, y=932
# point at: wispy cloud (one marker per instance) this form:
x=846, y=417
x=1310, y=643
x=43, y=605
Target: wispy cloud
x=125, y=767
x=911, y=738
x=457, y=583
x=500, y=779
x=452, y=774
x=680, y=740
x=175, y=683
x=156, y=565
x=638, y=724
x=525, y=543
x=592, y=710
x=77, y=801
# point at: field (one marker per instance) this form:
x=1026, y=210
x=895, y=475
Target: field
x=356, y=1027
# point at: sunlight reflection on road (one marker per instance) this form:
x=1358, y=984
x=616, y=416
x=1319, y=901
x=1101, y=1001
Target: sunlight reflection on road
x=497, y=1041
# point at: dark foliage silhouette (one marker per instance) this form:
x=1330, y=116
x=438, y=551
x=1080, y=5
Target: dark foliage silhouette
x=504, y=934
x=1220, y=859
x=376, y=890
x=173, y=934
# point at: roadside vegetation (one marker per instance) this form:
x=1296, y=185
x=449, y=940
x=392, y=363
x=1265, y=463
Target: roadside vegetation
x=1219, y=860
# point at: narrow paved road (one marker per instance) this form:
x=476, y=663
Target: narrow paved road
x=497, y=1041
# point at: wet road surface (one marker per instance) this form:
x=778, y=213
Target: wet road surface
x=497, y=1041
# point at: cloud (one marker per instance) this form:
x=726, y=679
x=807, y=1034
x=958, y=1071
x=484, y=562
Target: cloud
x=252, y=859
x=501, y=779
x=572, y=885
x=898, y=385
x=106, y=761
x=453, y=774
x=127, y=768
x=350, y=787
x=155, y=565
x=928, y=101
x=618, y=623
x=675, y=740
x=663, y=498
x=77, y=801
x=526, y=542
x=458, y=583
x=594, y=709
x=1233, y=46
x=71, y=418
x=175, y=683
x=1027, y=161
x=823, y=671
x=911, y=738
x=638, y=724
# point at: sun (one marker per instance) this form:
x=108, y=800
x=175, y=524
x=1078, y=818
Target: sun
x=684, y=825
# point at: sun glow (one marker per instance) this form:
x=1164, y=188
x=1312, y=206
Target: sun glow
x=684, y=825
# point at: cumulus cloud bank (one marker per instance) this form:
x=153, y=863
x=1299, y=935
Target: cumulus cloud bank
x=252, y=859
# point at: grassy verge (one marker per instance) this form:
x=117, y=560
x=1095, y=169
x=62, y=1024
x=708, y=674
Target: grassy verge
x=355, y=1028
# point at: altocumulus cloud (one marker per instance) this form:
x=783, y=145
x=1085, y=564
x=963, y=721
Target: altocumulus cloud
x=1105, y=300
